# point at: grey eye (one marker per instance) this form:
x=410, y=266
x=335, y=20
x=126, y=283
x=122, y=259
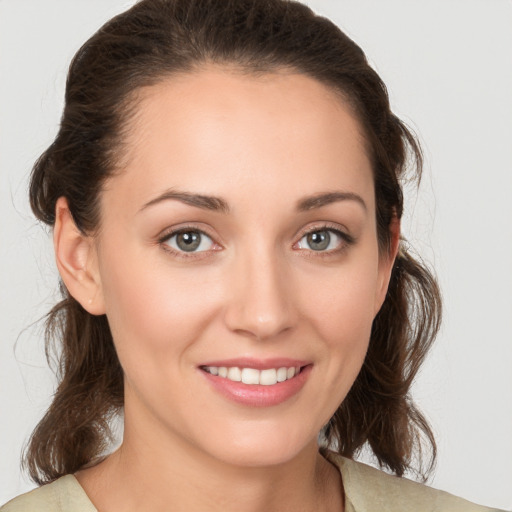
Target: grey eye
x=190, y=241
x=321, y=240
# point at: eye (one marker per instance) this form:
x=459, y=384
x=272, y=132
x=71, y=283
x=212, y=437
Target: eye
x=323, y=240
x=189, y=241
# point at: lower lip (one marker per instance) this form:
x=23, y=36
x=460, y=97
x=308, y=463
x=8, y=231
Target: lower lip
x=256, y=395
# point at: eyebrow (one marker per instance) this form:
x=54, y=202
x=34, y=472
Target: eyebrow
x=326, y=198
x=220, y=205
x=200, y=201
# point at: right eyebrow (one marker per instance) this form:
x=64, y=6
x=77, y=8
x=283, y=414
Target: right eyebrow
x=324, y=199
x=198, y=200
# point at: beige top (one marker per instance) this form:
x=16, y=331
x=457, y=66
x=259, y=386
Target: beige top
x=366, y=490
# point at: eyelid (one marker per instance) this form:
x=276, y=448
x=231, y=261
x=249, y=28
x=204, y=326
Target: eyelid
x=340, y=230
x=168, y=233
x=324, y=225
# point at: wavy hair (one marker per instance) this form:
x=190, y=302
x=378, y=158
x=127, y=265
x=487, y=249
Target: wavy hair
x=154, y=40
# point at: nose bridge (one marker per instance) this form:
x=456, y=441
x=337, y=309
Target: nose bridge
x=261, y=304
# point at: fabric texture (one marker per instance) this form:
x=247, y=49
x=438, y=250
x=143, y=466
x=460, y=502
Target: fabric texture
x=366, y=490
x=63, y=495
x=370, y=490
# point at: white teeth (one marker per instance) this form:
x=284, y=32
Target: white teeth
x=267, y=377
x=281, y=374
x=250, y=376
x=234, y=374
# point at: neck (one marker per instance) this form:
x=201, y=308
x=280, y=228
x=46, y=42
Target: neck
x=145, y=474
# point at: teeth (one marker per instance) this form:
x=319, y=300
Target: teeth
x=251, y=376
x=268, y=377
x=281, y=375
x=234, y=374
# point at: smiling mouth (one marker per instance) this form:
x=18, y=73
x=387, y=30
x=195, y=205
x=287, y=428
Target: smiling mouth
x=252, y=376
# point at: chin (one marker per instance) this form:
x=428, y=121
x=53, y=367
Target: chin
x=263, y=447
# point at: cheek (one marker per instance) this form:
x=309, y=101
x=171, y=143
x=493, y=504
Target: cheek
x=342, y=314
x=153, y=313
x=342, y=305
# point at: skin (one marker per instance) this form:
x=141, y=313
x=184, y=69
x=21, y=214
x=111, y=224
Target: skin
x=262, y=144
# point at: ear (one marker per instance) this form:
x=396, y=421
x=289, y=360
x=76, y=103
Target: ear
x=77, y=262
x=386, y=262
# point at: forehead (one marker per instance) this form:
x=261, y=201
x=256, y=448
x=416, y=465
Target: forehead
x=218, y=131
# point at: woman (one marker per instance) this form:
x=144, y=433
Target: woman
x=225, y=199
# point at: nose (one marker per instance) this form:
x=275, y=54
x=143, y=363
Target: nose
x=261, y=300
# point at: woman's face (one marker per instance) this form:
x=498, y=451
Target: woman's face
x=239, y=242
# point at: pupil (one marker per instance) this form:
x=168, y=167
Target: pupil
x=319, y=240
x=188, y=241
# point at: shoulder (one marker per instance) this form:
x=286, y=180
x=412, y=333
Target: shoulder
x=369, y=489
x=63, y=495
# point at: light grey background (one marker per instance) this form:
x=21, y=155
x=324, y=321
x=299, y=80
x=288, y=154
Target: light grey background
x=448, y=66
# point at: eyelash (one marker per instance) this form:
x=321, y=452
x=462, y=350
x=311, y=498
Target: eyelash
x=167, y=235
x=347, y=241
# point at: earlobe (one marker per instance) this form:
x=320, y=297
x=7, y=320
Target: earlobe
x=387, y=262
x=76, y=259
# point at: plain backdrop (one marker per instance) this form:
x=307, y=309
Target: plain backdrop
x=448, y=67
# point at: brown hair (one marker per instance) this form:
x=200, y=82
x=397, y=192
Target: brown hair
x=154, y=40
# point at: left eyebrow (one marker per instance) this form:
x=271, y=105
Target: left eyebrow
x=197, y=200
x=323, y=199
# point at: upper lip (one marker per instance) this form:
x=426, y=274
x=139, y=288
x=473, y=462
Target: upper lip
x=258, y=364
